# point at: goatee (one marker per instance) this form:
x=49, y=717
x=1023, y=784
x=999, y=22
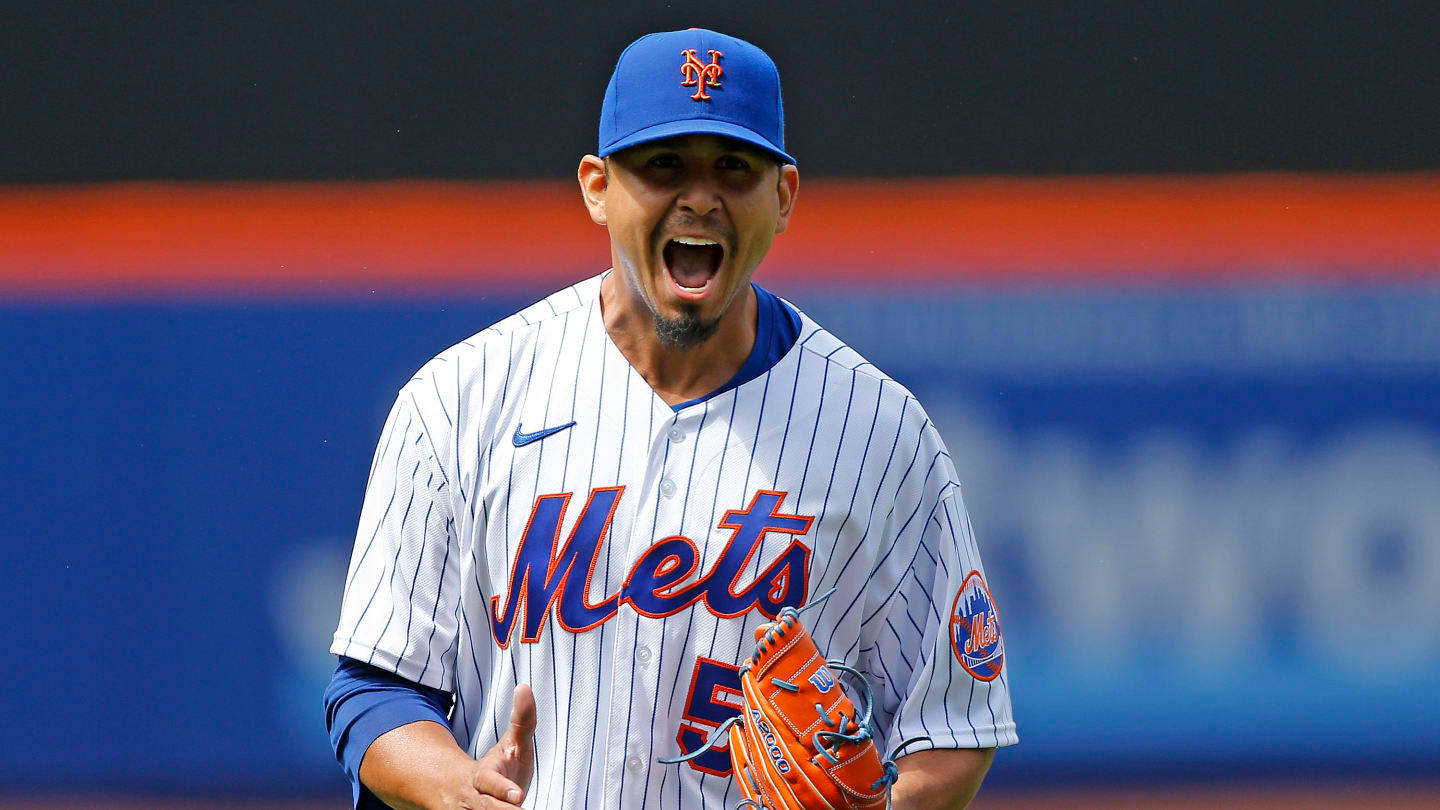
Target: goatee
x=684, y=332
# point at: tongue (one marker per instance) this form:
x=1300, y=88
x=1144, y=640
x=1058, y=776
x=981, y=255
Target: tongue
x=692, y=265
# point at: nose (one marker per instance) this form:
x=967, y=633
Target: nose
x=701, y=194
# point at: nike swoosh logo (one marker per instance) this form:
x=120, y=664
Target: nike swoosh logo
x=521, y=438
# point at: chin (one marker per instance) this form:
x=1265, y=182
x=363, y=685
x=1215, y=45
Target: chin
x=686, y=331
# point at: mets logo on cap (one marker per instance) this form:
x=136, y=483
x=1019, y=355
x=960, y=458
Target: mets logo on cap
x=700, y=75
x=975, y=629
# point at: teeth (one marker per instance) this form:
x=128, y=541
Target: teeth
x=695, y=240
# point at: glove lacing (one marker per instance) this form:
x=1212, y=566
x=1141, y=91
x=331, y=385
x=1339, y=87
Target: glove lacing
x=863, y=731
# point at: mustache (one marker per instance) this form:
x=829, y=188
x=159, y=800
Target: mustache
x=685, y=221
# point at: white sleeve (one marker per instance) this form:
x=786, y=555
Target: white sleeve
x=939, y=654
x=401, y=590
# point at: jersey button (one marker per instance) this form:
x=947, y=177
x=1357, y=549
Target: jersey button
x=643, y=655
x=667, y=488
x=634, y=763
x=677, y=435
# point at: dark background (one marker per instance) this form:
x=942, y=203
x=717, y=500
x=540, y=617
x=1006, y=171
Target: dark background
x=300, y=90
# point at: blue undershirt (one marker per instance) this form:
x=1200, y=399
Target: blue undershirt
x=362, y=701
x=777, y=326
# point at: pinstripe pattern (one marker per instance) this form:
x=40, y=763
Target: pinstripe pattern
x=847, y=445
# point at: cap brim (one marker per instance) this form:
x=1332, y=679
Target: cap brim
x=695, y=126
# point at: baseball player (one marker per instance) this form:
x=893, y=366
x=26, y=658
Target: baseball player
x=577, y=518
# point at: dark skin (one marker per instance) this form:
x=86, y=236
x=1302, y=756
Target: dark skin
x=701, y=186
x=695, y=187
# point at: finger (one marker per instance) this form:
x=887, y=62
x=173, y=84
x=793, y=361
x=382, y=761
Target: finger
x=483, y=802
x=491, y=783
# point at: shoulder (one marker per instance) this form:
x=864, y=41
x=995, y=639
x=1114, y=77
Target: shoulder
x=821, y=346
x=893, y=415
x=467, y=361
x=482, y=365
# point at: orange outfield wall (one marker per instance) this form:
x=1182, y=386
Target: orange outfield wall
x=324, y=239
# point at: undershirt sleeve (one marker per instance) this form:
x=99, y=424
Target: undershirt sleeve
x=363, y=702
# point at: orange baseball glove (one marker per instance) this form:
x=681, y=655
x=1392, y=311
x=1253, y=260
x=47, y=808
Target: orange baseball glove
x=800, y=743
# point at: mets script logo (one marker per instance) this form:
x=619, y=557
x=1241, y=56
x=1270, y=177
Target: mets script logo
x=700, y=75
x=975, y=629
x=664, y=579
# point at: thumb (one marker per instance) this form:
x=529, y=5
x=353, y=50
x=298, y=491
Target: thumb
x=518, y=744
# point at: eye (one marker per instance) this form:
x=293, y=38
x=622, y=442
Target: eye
x=665, y=160
x=733, y=163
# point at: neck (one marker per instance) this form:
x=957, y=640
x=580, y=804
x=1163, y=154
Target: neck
x=678, y=375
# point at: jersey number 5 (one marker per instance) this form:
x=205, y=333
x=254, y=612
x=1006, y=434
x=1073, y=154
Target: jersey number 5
x=714, y=697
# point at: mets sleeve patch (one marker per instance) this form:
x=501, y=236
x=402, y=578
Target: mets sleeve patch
x=975, y=629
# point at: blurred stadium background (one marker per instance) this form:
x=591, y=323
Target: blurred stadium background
x=1167, y=277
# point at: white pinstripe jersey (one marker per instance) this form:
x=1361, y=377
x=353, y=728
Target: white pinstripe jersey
x=621, y=565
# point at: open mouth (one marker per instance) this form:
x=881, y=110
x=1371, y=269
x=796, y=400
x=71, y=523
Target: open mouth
x=692, y=263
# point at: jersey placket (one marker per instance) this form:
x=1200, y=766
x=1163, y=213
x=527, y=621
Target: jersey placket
x=636, y=650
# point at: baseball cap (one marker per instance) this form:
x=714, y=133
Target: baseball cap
x=692, y=82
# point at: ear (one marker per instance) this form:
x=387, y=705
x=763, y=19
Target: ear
x=787, y=188
x=594, y=182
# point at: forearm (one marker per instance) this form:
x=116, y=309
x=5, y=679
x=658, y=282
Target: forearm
x=414, y=766
x=940, y=778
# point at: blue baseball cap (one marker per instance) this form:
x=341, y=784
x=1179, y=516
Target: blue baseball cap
x=692, y=82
